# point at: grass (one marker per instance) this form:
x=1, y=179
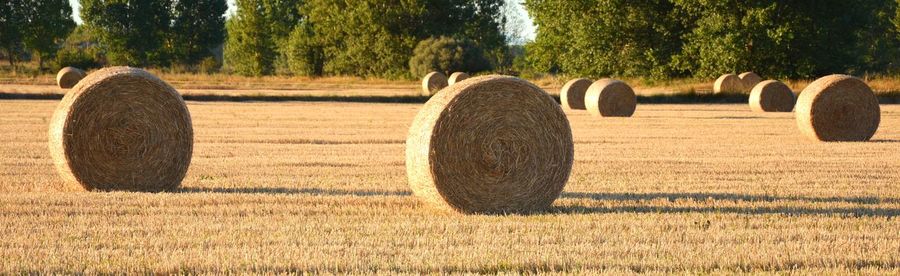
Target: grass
x=321, y=187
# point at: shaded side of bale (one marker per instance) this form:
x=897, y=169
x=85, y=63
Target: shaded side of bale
x=122, y=129
x=68, y=77
x=491, y=144
x=750, y=80
x=572, y=94
x=838, y=108
x=772, y=96
x=728, y=83
x=433, y=82
x=457, y=77
x=610, y=98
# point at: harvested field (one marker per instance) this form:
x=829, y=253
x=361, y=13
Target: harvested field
x=294, y=186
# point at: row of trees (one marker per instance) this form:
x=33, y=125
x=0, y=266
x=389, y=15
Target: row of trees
x=676, y=38
x=115, y=32
x=36, y=26
x=361, y=37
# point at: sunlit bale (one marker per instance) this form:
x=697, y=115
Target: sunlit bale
x=67, y=77
x=610, y=98
x=122, y=129
x=491, y=144
x=572, y=94
x=457, y=77
x=772, y=96
x=838, y=108
x=729, y=83
x=749, y=80
x=434, y=82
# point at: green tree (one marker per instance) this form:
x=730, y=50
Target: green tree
x=377, y=37
x=12, y=20
x=606, y=37
x=132, y=32
x=198, y=27
x=304, y=54
x=789, y=39
x=250, y=49
x=49, y=22
x=447, y=55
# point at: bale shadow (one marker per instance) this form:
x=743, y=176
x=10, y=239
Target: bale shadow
x=885, y=141
x=294, y=191
x=861, y=211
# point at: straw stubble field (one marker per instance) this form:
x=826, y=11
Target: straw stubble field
x=279, y=187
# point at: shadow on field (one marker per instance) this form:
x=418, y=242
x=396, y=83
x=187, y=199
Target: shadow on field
x=787, y=210
x=294, y=191
x=885, y=141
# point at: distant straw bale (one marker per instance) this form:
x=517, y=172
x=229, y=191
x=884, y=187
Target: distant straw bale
x=729, y=83
x=610, y=98
x=838, y=108
x=772, y=96
x=572, y=94
x=434, y=82
x=67, y=77
x=457, y=77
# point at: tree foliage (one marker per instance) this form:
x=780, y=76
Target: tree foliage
x=447, y=55
x=12, y=21
x=665, y=38
x=360, y=38
x=198, y=27
x=132, y=32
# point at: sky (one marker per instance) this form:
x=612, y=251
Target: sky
x=526, y=31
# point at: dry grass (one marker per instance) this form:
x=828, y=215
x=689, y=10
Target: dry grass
x=322, y=187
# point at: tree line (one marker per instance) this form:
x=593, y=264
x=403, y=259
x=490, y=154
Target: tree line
x=704, y=38
x=406, y=38
x=264, y=37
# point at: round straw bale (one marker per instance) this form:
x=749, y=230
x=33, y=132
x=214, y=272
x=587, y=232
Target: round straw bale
x=122, y=129
x=572, y=94
x=457, y=77
x=610, y=98
x=750, y=79
x=772, y=96
x=838, y=108
x=491, y=144
x=68, y=77
x=434, y=82
x=728, y=83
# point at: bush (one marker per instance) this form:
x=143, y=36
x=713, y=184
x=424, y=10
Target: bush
x=79, y=58
x=447, y=55
x=210, y=65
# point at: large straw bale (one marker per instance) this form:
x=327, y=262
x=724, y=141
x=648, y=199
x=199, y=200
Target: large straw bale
x=838, y=108
x=122, y=129
x=491, y=144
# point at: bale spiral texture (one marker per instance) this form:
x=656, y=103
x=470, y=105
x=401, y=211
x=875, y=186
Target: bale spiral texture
x=610, y=98
x=728, y=83
x=491, y=144
x=838, y=108
x=122, y=129
x=572, y=94
x=457, y=77
x=434, y=82
x=750, y=80
x=67, y=77
x=772, y=96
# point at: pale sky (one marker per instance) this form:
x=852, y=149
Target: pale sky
x=527, y=30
